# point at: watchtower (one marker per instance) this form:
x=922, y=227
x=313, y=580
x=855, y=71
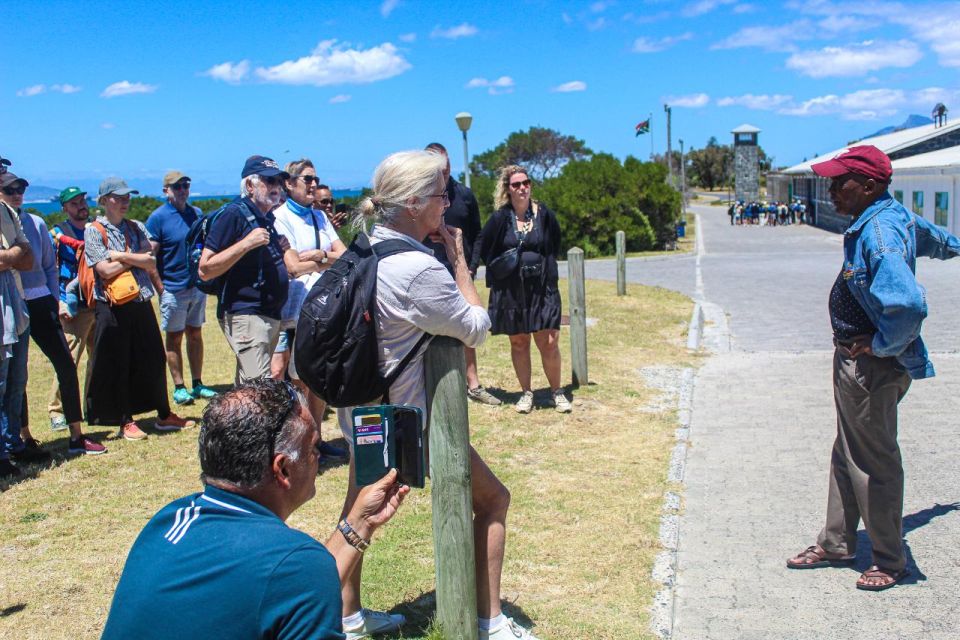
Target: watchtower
x=746, y=163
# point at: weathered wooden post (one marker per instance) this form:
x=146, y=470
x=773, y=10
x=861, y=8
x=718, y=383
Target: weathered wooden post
x=449, y=447
x=621, y=263
x=578, y=316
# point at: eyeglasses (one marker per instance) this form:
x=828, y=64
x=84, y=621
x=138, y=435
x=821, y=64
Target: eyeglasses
x=14, y=190
x=270, y=181
x=444, y=196
x=181, y=186
x=125, y=198
x=520, y=183
x=308, y=180
x=296, y=399
x=326, y=202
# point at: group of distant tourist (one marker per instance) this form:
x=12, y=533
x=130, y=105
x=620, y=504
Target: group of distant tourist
x=89, y=286
x=768, y=213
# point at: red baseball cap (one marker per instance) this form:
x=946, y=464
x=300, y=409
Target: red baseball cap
x=865, y=160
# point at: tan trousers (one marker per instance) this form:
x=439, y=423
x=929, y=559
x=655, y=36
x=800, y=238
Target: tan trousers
x=253, y=339
x=79, y=334
x=866, y=471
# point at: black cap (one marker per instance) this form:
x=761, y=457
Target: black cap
x=7, y=179
x=4, y=161
x=262, y=166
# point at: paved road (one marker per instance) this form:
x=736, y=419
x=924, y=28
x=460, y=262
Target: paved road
x=761, y=430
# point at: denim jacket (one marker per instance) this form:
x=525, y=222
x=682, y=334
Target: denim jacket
x=880, y=252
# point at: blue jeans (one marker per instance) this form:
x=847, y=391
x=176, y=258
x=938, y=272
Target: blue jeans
x=15, y=384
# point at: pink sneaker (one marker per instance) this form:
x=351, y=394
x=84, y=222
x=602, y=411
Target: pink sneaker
x=132, y=431
x=86, y=446
x=173, y=422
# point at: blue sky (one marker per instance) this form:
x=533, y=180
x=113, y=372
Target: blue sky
x=133, y=88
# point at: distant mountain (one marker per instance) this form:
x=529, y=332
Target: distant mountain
x=38, y=193
x=912, y=121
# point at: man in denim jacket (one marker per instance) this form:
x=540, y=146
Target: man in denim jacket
x=876, y=310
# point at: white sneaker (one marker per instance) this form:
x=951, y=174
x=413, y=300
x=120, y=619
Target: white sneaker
x=525, y=403
x=508, y=630
x=560, y=401
x=375, y=622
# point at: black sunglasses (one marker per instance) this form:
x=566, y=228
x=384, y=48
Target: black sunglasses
x=14, y=190
x=180, y=186
x=521, y=183
x=310, y=179
x=326, y=201
x=270, y=181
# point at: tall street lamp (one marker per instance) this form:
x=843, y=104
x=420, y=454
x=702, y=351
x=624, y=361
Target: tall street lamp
x=464, y=120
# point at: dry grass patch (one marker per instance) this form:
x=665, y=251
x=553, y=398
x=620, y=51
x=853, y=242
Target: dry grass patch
x=582, y=533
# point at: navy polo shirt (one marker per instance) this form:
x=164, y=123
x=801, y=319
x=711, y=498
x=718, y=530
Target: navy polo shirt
x=217, y=565
x=257, y=283
x=168, y=227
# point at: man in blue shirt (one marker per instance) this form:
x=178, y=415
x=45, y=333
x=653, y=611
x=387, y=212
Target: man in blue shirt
x=182, y=305
x=222, y=563
x=876, y=310
x=244, y=250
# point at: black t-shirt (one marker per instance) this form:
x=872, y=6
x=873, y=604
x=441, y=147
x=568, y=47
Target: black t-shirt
x=257, y=283
x=464, y=214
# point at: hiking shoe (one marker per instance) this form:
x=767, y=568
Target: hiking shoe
x=58, y=424
x=507, y=630
x=374, y=622
x=329, y=451
x=132, y=431
x=481, y=395
x=182, y=396
x=560, y=402
x=86, y=446
x=173, y=422
x=8, y=470
x=31, y=452
x=525, y=403
x=203, y=391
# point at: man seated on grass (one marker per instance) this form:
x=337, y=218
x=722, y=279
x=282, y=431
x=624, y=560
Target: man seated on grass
x=222, y=563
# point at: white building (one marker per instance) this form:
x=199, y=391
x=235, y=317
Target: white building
x=926, y=168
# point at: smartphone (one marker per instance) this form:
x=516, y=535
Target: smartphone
x=387, y=437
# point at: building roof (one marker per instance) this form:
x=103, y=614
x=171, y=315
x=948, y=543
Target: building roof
x=746, y=128
x=887, y=143
x=940, y=161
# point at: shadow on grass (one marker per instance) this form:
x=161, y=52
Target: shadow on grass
x=911, y=523
x=9, y=611
x=542, y=398
x=420, y=613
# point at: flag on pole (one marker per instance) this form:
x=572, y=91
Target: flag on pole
x=643, y=127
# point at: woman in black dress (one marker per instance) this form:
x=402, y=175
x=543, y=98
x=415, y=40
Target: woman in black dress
x=524, y=298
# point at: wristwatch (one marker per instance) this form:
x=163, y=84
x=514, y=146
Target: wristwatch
x=352, y=537
x=324, y=259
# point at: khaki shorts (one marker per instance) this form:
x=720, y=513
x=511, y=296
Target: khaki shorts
x=252, y=339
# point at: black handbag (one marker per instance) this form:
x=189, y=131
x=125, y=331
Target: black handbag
x=505, y=265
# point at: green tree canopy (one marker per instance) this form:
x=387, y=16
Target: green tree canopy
x=542, y=151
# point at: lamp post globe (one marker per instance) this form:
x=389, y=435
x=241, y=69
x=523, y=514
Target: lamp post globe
x=464, y=120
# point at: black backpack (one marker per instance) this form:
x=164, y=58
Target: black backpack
x=336, y=338
x=196, y=239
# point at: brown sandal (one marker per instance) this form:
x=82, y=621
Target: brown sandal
x=892, y=578
x=816, y=557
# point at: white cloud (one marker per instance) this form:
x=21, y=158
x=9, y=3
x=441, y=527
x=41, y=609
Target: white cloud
x=65, y=88
x=868, y=104
x=387, y=7
x=567, y=87
x=939, y=29
x=704, y=6
x=744, y=8
x=332, y=64
x=108, y=126
x=648, y=45
x=503, y=84
x=34, y=90
x=339, y=99
x=693, y=101
x=599, y=23
x=460, y=31
x=600, y=6
x=854, y=60
x=762, y=102
x=229, y=72
x=837, y=24
x=126, y=88
x=407, y=37
x=769, y=38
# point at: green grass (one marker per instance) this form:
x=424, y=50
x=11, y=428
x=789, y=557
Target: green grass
x=582, y=529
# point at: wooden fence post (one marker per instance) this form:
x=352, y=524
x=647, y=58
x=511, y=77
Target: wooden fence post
x=621, y=263
x=449, y=450
x=578, y=316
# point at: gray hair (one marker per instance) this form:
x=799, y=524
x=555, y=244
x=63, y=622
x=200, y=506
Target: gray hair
x=246, y=191
x=401, y=176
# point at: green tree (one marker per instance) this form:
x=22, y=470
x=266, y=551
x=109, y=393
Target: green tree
x=711, y=166
x=542, y=151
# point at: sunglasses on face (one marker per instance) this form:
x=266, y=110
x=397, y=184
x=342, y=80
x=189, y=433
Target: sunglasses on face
x=270, y=181
x=520, y=183
x=181, y=186
x=14, y=190
x=326, y=202
x=308, y=180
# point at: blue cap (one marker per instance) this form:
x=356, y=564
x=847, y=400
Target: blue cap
x=262, y=166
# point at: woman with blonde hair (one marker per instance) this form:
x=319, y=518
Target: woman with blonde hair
x=519, y=245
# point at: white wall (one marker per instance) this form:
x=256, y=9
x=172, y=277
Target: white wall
x=929, y=184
